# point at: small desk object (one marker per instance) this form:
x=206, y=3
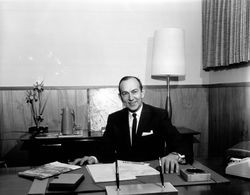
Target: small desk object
x=149, y=188
x=194, y=174
x=240, y=168
x=67, y=181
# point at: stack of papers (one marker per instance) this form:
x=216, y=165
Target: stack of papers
x=127, y=171
x=48, y=170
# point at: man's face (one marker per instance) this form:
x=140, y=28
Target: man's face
x=131, y=94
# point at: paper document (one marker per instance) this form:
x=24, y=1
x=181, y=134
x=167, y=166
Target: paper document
x=48, y=170
x=127, y=171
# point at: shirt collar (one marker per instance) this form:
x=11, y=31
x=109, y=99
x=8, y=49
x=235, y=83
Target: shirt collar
x=138, y=112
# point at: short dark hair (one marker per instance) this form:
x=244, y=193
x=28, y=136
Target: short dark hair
x=125, y=78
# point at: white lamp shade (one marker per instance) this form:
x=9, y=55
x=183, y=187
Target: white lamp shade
x=168, y=56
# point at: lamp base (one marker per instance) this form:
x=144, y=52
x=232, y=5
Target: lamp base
x=149, y=188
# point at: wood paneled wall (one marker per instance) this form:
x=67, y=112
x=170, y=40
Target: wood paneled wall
x=15, y=114
x=229, y=114
x=190, y=109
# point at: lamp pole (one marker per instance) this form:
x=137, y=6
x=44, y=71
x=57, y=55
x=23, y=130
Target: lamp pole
x=168, y=100
x=168, y=58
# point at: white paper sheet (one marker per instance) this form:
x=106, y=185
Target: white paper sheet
x=127, y=171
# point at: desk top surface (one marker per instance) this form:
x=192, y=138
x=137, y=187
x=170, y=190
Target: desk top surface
x=11, y=183
x=59, y=136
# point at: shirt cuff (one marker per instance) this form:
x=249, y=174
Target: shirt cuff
x=95, y=159
x=181, y=158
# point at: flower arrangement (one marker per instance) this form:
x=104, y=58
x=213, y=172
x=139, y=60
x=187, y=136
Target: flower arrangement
x=35, y=99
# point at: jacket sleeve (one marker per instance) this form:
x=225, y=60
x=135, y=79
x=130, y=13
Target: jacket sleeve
x=107, y=151
x=174, y=140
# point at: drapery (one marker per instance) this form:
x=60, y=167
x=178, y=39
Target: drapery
x=225, y=32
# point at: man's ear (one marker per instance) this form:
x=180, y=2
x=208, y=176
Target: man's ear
x=142, y=93
x=119, y=95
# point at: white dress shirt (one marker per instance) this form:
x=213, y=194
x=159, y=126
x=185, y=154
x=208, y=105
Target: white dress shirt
x=130, y=119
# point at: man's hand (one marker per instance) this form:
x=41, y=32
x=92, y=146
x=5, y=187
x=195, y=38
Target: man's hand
x=85, y=160
x=170, y=163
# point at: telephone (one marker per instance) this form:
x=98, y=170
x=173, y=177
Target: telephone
x=239, y=167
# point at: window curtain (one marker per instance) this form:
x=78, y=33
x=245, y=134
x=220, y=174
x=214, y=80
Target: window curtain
x=225, y=32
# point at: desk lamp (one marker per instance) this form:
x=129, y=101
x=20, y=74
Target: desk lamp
x=168, y=59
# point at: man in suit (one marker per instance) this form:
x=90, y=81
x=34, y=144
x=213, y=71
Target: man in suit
x=139, y=132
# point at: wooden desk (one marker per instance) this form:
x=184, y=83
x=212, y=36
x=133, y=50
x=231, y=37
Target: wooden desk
x=51, y=147
x=11, y=184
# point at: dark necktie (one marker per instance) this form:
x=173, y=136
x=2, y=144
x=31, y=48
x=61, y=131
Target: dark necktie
x=134, y=124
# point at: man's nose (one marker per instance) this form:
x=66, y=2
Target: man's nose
x=130, y=97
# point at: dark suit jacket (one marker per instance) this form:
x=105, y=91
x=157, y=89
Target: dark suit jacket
x=147, y=146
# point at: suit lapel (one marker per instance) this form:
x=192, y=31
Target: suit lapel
x=144, y=119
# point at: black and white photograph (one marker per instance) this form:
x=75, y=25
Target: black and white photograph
x=125, y=97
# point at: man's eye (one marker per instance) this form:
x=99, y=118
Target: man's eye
x=124, y=93
x=135, y=91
